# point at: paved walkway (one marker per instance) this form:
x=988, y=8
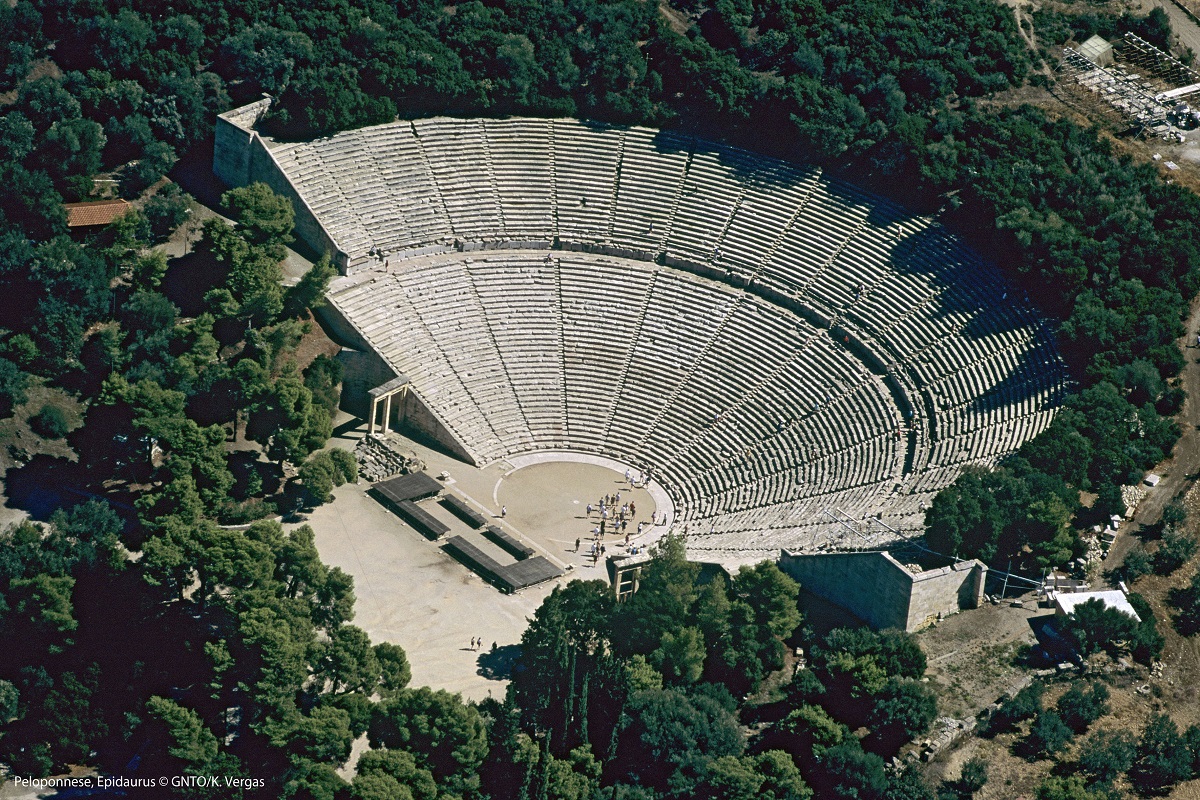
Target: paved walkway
x=410, y=592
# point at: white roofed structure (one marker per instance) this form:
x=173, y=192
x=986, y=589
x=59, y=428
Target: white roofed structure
x=1066, y=603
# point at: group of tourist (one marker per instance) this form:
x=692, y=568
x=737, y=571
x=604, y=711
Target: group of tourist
x=615, y=517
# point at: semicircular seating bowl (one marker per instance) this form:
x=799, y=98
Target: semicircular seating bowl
x=785, y=353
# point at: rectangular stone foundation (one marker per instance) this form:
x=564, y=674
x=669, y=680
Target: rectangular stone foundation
x=878, y=589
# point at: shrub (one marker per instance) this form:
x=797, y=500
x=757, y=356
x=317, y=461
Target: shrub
x=50, y=422
x=1048, y=735
x=1025, y=704
x=1071, y=787
x=1187, y=600
x=1174, y=551
x=1163, y=758
x=1080, y=707
x=973, y=776
x=1107, y=754
x=1137, y=564
x=166, y=211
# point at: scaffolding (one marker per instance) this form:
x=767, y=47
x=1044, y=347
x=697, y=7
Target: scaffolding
x=1145, y=88
x=1149, y=60
x=1125, y=92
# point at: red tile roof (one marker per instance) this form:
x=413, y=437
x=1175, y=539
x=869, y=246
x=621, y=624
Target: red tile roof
x=99, y=212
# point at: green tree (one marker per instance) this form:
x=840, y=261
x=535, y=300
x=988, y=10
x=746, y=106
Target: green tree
x=10, y=698
x=1187, y=601
x=1071, y=787
x=41, y=612
x=808, y=731
x=1079, y=707
x=1163, y=758
x=157, y=159
x=744, y=778
x=264, y=219
x=566, y=662
x=50, y=422
x=309, y=292
x=323, y=735
x=323, y=377
x=166, y=210
x=903, y=710
x=445, y=735
x=666, y=595
x=254, y=274
x=325, y=470
x=1048, y=735
x=1093, y=627
x=680, y=657
x=13, y=384
x=1137, y=563
x=396, y=772
x=189, y=740
x=974, y=775
x=268, y=55
x=395, y=672
x=970, y=518
x=849, y=772
x=1105, y=755
x=772, y=594
x=284, y=418
x=347, y=663
x=671, y=735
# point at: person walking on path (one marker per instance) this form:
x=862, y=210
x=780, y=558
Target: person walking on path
x=577, y=545
x=503, y=512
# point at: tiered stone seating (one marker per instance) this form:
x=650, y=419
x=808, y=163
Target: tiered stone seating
x=652, y=170
x=585, y=169
x=411, y=216
x=524, y=317
x=524, y=176
x=597, y=343
x=459, y=162
x=664, y=346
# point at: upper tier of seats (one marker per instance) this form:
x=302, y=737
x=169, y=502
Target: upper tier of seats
x=778, y=347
